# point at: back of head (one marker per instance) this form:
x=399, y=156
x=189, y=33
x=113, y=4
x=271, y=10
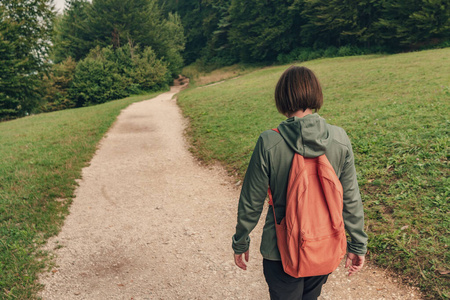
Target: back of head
x=298, y=89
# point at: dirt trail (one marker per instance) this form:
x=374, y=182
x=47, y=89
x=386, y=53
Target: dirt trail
x=149, y=222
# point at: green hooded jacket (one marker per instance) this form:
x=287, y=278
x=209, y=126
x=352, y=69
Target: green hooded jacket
x=270, y=163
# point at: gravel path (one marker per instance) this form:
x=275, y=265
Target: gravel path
x=149, y=222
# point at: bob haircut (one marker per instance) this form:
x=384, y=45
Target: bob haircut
x=298, y=89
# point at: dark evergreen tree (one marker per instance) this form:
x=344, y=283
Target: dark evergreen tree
x=338, y=23
x=260, y=30
x=25, y=32
x=363, y=16
x=219, y=49
x=118, y=22
x=170, y=42
x=414, y=22
x=198, y=20
x=226, y=30
x=71, y=32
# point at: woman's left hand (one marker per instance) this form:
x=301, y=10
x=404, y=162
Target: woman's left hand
x=239, y=261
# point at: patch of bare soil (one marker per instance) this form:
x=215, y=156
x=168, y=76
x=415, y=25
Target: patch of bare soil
x=149, y=222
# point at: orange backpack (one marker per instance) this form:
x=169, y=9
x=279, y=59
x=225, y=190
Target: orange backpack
x=311, y=238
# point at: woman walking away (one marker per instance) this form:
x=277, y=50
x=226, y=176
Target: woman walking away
x=297, y=95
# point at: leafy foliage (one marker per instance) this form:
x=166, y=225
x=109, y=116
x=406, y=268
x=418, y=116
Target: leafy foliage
x=107, y=74
x=338, y=23
x=117, y=23
x=25, y=30
x=71, y=36
x=97, y=79
x=103, y=39
x=414, y=22
x=260, y=30
x=57, y=85
x=170, y=46
x=224, y=32
x=149, y=73
x=198, y=19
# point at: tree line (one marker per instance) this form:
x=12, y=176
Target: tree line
x=91, y=53
x=100, y=50
x=229, y=31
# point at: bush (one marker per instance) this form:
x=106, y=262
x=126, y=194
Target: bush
x=330, y=52
x=57, y=84
x=349, y=50
x=97, y=79
x=305, y=54
x=149, y=73
x=107, y=74
x=315, y=54
x=283, y=58
x=300, y=54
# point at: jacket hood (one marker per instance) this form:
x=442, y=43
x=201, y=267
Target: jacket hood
x=309, y=136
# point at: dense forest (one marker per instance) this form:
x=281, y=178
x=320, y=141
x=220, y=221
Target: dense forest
x=229, y=31
x=101, y=50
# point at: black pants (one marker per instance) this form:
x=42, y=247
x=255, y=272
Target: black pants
x=285, y=287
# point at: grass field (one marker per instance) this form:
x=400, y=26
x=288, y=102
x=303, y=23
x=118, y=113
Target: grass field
x=396, y=111
x=41, y=156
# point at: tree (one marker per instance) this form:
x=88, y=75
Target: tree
x=339, y=23
x=141, y=22
x=414, y=22
x=72, y=37
x=262, y=29
x=25, y=32
x=219, y=49
x=196, y=18
x=116, y=22
x=170, y=43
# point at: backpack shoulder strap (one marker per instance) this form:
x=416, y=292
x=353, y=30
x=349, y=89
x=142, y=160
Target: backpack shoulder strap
x=269, y=191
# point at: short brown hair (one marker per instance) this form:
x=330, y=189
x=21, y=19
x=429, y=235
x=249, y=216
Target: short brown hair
x=298, y=89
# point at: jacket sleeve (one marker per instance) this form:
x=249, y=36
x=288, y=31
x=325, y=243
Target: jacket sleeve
x=353, y=209
x=253, y=195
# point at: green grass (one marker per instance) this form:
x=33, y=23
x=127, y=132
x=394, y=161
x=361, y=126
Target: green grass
x=41, y=156
x=396, y=111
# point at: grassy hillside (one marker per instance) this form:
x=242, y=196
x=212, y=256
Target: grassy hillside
x=396, y=111
x=41, y=156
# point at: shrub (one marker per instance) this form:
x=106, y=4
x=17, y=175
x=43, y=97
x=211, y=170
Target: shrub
x=330, y=52
x=57, y=84
x=298, y=54
x=107, y=74
x=97, y=79
x=349, y=50
x=344, y=51
x=314, y=54
x=283, y=58
x=148, y=72
x=304, y=54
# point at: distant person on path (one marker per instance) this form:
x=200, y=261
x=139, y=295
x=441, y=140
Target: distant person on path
x=297, y=94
